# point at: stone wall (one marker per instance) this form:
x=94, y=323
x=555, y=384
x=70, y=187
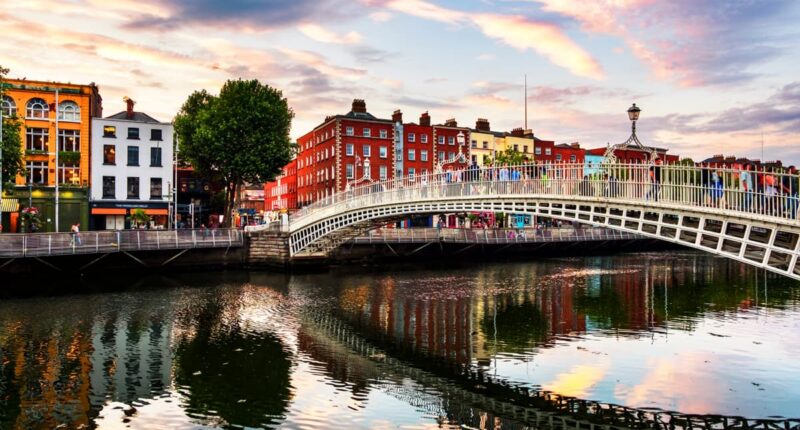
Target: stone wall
x=270, y=248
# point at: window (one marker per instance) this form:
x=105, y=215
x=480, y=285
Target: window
x=573, y=158
x=525, y=148
x=155, y=189
x=155, y=134
x=441, y=155
x=109, y=187
x=516, y=148
x=37, y=172
x=382, y=171
x=133, y=155
x=109, y=131
x=69, y=175
x=133, y=188
x=133, y=133
x=423, y=155
x=451, y=140
x=384, y=134
x=412, y=137
x=412, y=155
x=451, y=155
x=411, y=172
x=8, y=107
x=69, y=140
x=485, y=144
x=348, y=149
x=538, y=150
x=37, y=108
x=155, y=157
x=367, y=132
x=349, y=171
x=474, y=143
x=109, y=155
x=423, y=138
x=349, y=131
x=548, y=151
x=441, y=140
x=474, y=159
x=383, y=152
x=36, y=139
x=558, y=157
x=366, y=150
x=69, y=111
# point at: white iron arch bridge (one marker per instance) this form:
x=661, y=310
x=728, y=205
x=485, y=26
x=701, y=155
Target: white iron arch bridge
x=746, y=215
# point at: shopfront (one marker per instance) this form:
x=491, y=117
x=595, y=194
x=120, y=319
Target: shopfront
x=117, y=215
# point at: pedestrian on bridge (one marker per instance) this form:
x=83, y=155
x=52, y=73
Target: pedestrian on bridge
x=75, y=234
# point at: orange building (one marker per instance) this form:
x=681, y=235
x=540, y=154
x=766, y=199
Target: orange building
x=34, y=102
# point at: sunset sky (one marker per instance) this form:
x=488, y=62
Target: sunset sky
x=710, y=76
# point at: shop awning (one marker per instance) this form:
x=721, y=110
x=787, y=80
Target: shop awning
x=108, y=211
x=156, y=211
x=9, y=205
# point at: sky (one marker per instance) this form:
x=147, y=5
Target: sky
x=711, y=77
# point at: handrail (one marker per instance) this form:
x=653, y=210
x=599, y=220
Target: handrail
x=492, y=236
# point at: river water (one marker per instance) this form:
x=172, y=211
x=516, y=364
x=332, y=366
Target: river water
x=479, y=345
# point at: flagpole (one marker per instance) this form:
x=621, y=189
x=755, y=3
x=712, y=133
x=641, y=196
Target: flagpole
x=57, y=168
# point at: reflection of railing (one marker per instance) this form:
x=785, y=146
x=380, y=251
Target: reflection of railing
x=493, y=236
x=763, y=193
x=94, y=242
x=540, y=408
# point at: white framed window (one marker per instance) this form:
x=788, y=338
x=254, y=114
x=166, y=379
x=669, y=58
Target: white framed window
x=423, y=138
x=8, y=107
x=367, y=132
x=423, y=155
x=384, y=134
x=69, y=140
x=475, y=144
x=69, y=111
x=36, y=138
x=383, y=152
x=451, y=140
x=411, y=172
x=548, y=151
x=412, y=137
x=441, y=140
x=537, y=150
x=441, y=155
x=36, y=108
x=573, y=158
x=348, y=149
x=349, y=131
x=366, y=150
x=558, y=157
x=451, y=155
x=36, y=172
x=412, y=155
x=485, y=144
x=382, y=171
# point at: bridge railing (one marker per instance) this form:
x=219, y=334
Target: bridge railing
x=492, y=236
x=94, y=242
x=765, y=192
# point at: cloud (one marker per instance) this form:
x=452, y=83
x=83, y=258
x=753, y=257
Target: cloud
x=516, y=31
x=485, y=57
x=569, y=95
x=366, y=54
x=320, y=34
x=380, y=16
x=423, y=103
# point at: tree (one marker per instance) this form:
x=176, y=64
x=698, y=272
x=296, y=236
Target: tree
x=511, y=156
x=12, y=161
x=240, y=136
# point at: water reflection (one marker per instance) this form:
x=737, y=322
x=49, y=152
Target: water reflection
x=426, y=348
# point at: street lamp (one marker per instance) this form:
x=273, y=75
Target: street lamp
x=633, y=140
x=460, y=156
x=633, y=115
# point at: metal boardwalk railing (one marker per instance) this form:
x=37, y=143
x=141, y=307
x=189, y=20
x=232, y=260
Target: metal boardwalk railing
x=492, y=236
x=99, y=242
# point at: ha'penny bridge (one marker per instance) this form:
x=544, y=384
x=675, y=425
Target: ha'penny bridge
x=748, y=216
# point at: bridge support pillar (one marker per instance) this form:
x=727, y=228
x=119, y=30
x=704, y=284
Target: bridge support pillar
x=268, y=248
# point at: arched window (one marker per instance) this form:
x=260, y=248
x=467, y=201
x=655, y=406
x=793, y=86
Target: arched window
x=69, y=111
x=8, y=107
x=37, y=108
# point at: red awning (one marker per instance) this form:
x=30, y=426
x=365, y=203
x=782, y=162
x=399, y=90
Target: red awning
x=156, y=211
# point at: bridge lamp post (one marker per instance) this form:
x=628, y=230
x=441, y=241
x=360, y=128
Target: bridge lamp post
x=633, y=115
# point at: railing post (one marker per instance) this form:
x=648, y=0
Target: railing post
x=24, y=245
x=50, y=245
x=194, y=238
x=138, y=240
x=158, y=240
x=119, y=240
x=229, y=238
x=177, y=244
x=97, y=242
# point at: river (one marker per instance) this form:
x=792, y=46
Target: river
x=479, y=345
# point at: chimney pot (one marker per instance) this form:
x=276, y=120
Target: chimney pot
x=518, y=132
x=425, y=119
x=129, y=102
x=397, y=116
x=451, y=122
x=359, y=106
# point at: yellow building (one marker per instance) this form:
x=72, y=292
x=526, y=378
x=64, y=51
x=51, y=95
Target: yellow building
x=485, y=144
x=520, y=141
x=42, y=135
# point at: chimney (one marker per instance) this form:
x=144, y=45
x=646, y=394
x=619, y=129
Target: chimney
x=359, y=106
x=129, y=102
x=528, y=133
x=451, y=122
x=397, y=116
x=518, y=132
x=425, y=119
x=482, y=124
x=575, y=145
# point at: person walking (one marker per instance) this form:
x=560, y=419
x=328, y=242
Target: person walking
x=75, y=234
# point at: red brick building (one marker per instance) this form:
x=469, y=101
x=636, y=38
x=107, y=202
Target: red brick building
x=636, y=155
x=543, y=150
x=282, y=193
x=569, y=153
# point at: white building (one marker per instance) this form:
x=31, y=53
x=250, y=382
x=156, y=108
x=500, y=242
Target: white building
x=132, y=157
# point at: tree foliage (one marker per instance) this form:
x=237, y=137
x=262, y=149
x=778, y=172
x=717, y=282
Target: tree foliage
x=241, y=135
x=12, y=163
x=511, y=156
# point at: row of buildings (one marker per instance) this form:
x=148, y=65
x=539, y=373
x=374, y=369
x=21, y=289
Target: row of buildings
x=98, y=169
x=347, y=149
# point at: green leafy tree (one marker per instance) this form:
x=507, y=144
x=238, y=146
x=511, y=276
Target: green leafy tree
x=510, y=156
x=12, y=162
x=241, y=135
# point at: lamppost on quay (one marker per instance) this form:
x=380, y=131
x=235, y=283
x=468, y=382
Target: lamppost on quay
x=460, y=138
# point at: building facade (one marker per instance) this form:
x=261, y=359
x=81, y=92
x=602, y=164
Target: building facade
x=56, y=120
x=132, y=165
x=281, y=194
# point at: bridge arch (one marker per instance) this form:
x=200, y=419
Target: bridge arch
x=760, y=237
